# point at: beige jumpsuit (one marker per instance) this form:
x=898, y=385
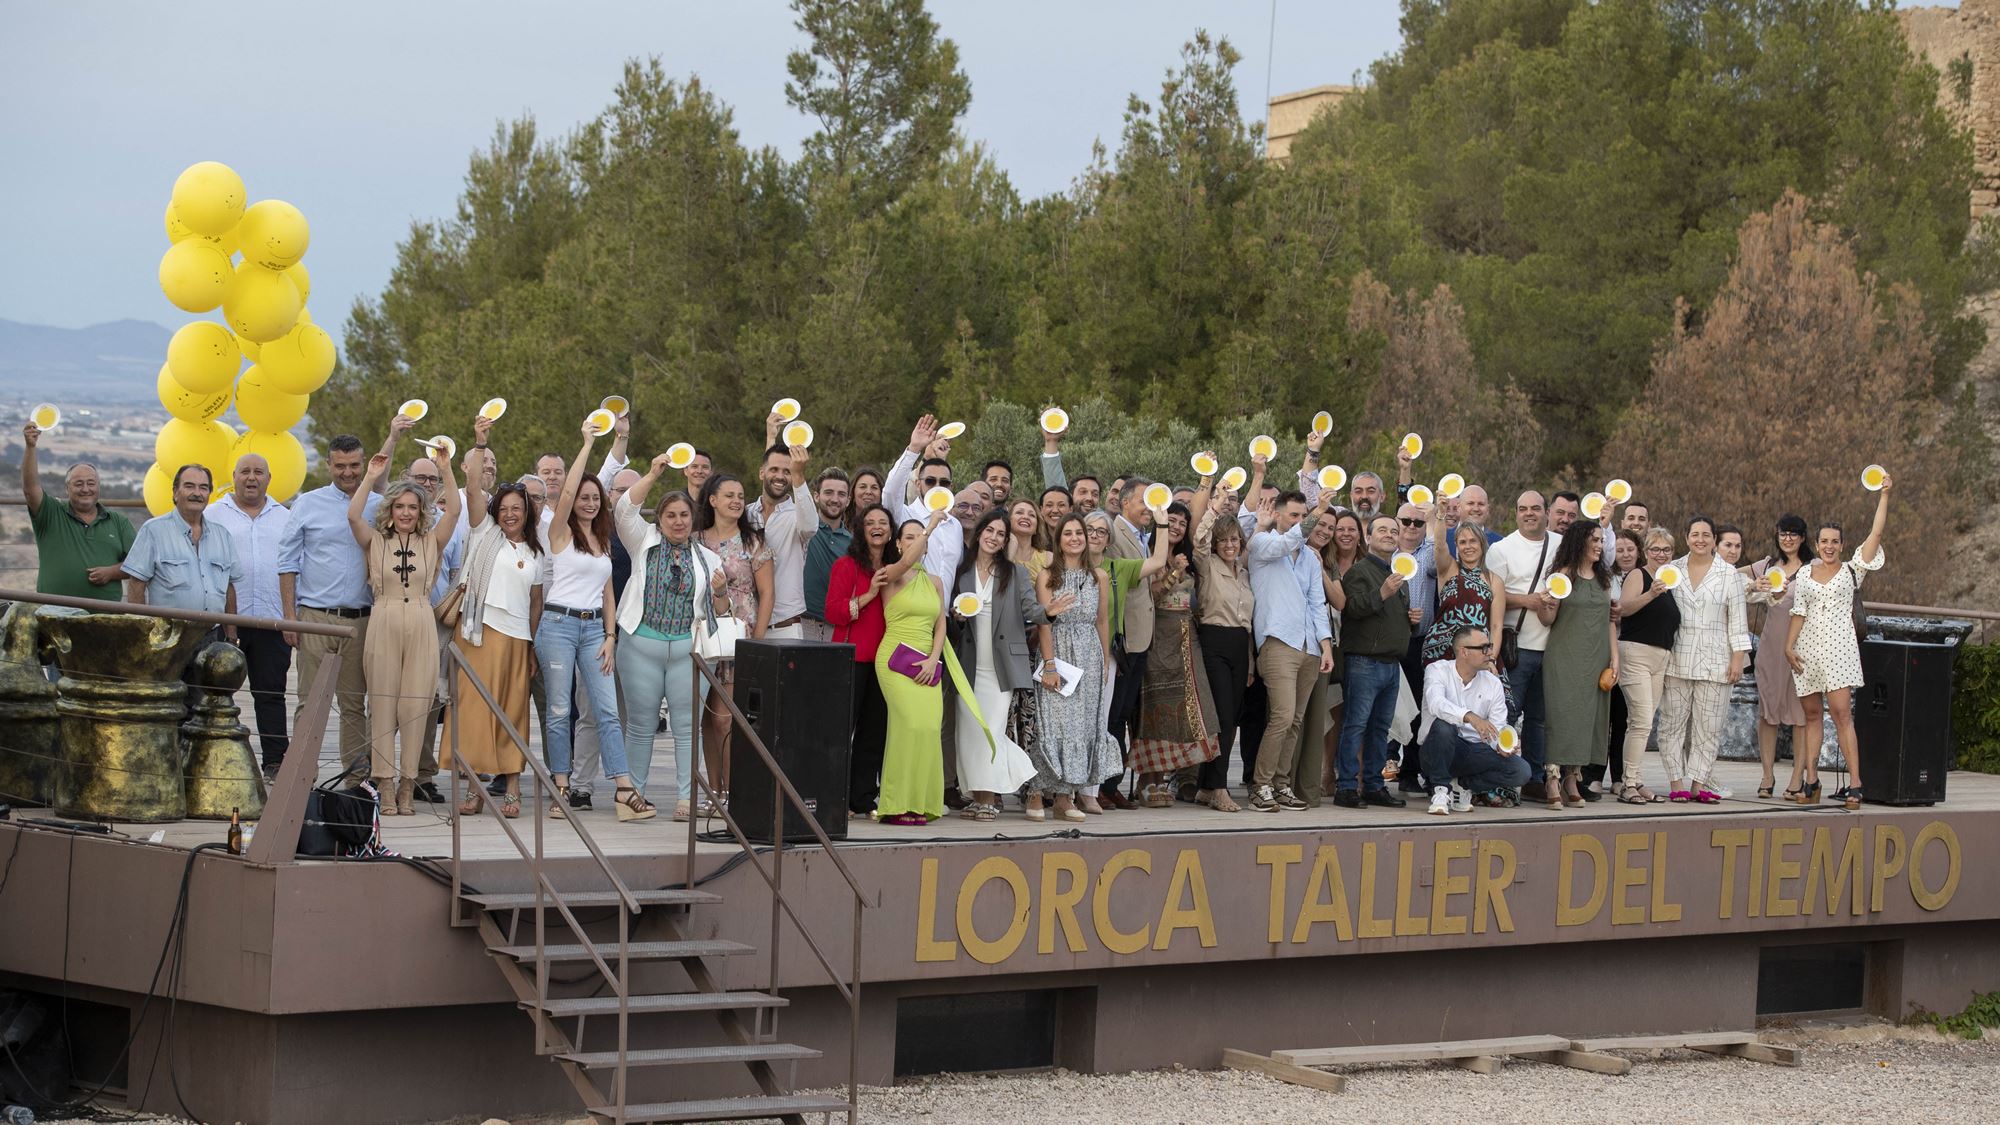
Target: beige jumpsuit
x=401, y=653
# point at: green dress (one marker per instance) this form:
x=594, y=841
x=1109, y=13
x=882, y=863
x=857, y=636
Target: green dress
x=1579, y=713
x=913, y=753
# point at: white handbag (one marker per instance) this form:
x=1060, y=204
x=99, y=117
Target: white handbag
x=715, y=639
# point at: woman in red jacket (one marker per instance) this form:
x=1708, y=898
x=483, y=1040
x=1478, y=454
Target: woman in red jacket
x=854, y=608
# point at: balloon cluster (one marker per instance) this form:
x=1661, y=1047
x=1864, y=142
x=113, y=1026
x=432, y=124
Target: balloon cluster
x=243, y=258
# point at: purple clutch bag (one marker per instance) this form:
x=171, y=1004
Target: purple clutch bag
x=907, y=661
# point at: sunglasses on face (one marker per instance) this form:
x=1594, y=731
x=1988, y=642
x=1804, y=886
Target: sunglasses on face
x=1410, y=522
x=937, y=482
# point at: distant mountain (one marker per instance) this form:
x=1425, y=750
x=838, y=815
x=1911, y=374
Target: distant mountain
x=104, y=363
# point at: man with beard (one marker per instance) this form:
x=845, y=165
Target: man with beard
x=787, y=526
x=829, y=541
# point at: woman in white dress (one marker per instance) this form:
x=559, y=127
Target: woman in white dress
x=992, y=647
x=1822, y=649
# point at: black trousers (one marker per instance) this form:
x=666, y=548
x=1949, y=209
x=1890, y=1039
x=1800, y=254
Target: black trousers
x=871, y=730
x=1615, y=756
x=1124, y=715
x=269, y=659
x=1256, y=715
x=1225, y=653
x=1413, y=673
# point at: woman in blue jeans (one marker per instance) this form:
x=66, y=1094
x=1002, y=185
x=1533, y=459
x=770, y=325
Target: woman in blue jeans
x=575, y=639
x=670, y=589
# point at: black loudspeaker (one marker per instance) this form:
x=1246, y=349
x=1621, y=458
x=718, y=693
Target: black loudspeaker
x=799, y=698
x=1902, y=720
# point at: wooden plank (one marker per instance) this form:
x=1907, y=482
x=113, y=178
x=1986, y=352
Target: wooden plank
x=1664, y=1042
x=1759, y=1052
x=1233, y=1059
x=1417, y=1052
x=1584, y=1060
x=1478, y=1064
x=277, y=838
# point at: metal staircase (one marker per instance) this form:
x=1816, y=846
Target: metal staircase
x=517, y=931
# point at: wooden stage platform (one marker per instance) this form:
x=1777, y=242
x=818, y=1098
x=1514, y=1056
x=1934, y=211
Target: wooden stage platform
x=324, y=991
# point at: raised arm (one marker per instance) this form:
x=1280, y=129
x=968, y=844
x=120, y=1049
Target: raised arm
x=398, y=426
x=31, y=474
x=805, y=506
x=1873, y=544
x=896, y=486
x=357, y=505
x=1053, y=475
x=475, y=471
x=1157, y=561
x=894, y=571
x=572, y=484
x=1204, y=494
x=447, y=525
x=1441, y=533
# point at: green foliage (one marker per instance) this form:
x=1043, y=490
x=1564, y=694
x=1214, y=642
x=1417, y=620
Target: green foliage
x=1982, y=1013
x=1107, y=442
x=1975, y=707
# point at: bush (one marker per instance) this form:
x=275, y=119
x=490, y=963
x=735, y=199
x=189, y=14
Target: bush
x=1982, y=1013
x=1975, y=707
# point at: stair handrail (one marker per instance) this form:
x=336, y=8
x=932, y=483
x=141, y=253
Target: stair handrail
x=782, y=792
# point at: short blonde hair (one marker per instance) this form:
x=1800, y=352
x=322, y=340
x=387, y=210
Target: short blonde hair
x=1659, y=534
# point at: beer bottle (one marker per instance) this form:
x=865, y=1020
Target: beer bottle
x=235, y=833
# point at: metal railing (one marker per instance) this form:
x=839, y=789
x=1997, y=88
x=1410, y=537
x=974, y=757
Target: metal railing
x=1985, y=618
x=783, y=793
x=544, y=890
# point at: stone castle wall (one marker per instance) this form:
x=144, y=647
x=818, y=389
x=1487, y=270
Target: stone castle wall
x=1964, y=44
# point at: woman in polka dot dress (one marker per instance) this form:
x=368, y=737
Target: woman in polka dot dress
x=1821, y=648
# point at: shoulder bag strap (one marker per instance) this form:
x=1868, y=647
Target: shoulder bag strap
x=1521, y=614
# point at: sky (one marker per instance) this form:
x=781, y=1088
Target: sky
x=363, y=113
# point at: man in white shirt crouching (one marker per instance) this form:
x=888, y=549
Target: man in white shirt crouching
x=1465, y=705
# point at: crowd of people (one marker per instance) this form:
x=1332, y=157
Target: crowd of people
x=1098, y=645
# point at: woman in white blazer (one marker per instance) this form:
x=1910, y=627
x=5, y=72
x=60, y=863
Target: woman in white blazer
x=669, y=595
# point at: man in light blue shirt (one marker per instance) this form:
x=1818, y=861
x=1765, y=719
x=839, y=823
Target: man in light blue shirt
x=323, y=576
x=1294, y=641
x=257, y=524
x=181, y=560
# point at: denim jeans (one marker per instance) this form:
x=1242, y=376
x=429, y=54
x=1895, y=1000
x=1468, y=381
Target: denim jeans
x=1369, y=688
x=566, y=648
x=1525, y=709
x=1449, y=756
x=651, y=670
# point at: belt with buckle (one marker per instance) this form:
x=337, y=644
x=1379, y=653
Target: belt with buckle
x=339, y=610
x=788, y=622
x=582, y=614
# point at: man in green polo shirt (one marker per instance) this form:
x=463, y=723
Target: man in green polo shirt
x=80, y=542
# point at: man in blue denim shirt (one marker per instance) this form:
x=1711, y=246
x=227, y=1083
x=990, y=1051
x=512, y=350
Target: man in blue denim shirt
x=181, y=560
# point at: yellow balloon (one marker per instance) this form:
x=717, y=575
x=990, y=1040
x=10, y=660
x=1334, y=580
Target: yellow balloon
x=209, y=198
x=274, y=234
x=203, y=357
x=303, y=280
x=261, y=304
x=305, y=315
x=263, y=406
x=299, y=362
x=224, y=436
x=186, y=404
x=251, y=348
x=158, y=490
x=178, y=231
x=195, y=275
x=181, y=442
x=285, y=455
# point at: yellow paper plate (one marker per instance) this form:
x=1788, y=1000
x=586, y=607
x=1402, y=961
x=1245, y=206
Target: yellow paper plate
x=1235, y=478
x=601, y=421
x=1873, y=476
x=1618, y=490
x=1510, y=739
x=1333, y=478
x=1668, y=576
x=1158, y=496
x=1593, y=505
x=1450, y=485
x=1203, y=464
x=680, y=455
x=951, y=430
x=1322, y=423
x=939, y=499
x=493, y=409
x=441, y=443
x=1413, y=445
x=1421, y=495
x=968, y=604
x=1403, y=564
x=800, y=434
x=1559, y=586
x=1264, y=445
x=616, y=404
x=45, y=416
x=786, y=409
x=414, y=410
x=1055, y=420
x=1775, y=579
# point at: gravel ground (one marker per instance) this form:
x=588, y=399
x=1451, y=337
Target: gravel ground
x=1865, y=1074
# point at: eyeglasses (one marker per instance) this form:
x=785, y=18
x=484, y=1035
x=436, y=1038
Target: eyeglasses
x=1791, y=535
x=965, y=508
x=1407, y=522
x=1097, y=531
x=426, y=478
x=1488, y=647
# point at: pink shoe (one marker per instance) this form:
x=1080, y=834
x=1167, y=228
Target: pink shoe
x=1680, y=796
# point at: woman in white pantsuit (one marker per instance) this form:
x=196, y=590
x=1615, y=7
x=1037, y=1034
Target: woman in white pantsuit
x=1710, y=649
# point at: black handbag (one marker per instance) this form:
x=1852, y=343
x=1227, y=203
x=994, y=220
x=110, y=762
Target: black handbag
x=338, y=821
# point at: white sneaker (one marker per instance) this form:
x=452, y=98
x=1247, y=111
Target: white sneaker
x=1461, y=798
x=1262, y=799
x=1440, y=801
x=1721, y=791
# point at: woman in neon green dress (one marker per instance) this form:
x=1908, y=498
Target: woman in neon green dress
x=913, y=753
